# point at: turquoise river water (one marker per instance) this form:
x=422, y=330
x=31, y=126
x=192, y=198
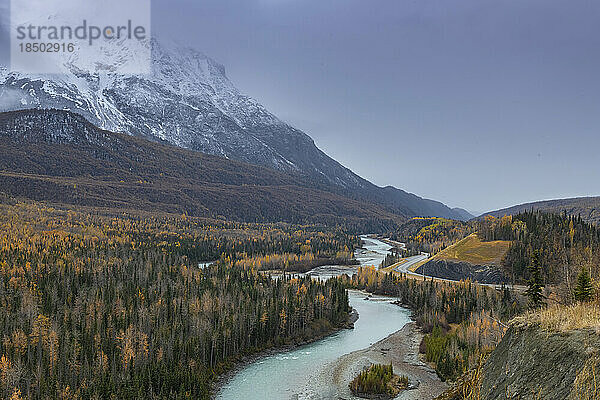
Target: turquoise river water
x=297, y=374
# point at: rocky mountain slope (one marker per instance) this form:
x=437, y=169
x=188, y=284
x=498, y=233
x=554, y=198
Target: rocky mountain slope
x=587, y=207
x=189, y=102
x=58, y=156
x=463, y=215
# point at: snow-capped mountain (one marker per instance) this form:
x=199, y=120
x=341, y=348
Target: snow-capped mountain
x=188, y=101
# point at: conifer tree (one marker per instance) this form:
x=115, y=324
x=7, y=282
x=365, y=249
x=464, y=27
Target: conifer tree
x=584, y=289
x=534, y=291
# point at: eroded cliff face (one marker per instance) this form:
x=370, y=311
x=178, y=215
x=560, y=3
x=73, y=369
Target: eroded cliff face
x=531, y=363
x=459, y=270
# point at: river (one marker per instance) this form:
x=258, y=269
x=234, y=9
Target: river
x=372, y=253
x=297, y=373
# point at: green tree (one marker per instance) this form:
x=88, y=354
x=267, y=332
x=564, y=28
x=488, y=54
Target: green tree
x=535, y=283
x=583, y=290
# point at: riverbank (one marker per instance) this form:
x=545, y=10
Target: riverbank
x=402, y=349
x=238, y=365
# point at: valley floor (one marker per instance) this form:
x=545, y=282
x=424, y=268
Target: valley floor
x=402, y=349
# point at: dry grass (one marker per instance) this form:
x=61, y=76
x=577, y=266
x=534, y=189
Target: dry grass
x=472, y=387
x=586, y=383
x=474, y=251
x=467, y=387
x=557, y=318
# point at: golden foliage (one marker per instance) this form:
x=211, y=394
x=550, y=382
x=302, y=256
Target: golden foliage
x=94, y=304
x=16, y=395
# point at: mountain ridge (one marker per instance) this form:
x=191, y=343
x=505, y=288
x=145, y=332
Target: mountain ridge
x=58, y=156
x=189, y=102
x=587, y=207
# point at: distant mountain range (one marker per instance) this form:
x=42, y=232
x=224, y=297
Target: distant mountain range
x=462, y=214
x=587, y=207
x=189, y=102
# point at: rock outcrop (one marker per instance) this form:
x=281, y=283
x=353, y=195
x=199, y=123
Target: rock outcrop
x=457, y=270
x=532, y=363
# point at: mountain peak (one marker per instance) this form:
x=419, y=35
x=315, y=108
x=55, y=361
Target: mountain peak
x=189, y=102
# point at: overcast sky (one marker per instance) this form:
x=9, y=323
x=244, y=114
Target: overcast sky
x=477, y=103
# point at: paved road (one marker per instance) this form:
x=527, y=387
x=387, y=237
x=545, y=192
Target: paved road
x=404, y=267
x=410, y=261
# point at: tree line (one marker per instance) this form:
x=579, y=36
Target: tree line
x=547, y=249
x=116, y=307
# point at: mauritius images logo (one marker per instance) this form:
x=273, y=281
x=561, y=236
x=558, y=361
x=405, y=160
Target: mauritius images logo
x=53, y=36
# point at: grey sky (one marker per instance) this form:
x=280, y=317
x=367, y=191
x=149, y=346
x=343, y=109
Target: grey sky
x=477, y=103
x=480, y=104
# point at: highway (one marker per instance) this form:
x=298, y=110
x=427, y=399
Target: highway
x=404, y=265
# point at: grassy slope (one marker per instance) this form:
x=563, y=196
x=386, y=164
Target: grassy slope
x=474, y=251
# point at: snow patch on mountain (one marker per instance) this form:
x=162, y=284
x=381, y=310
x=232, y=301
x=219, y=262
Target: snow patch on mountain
x=188, y=101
